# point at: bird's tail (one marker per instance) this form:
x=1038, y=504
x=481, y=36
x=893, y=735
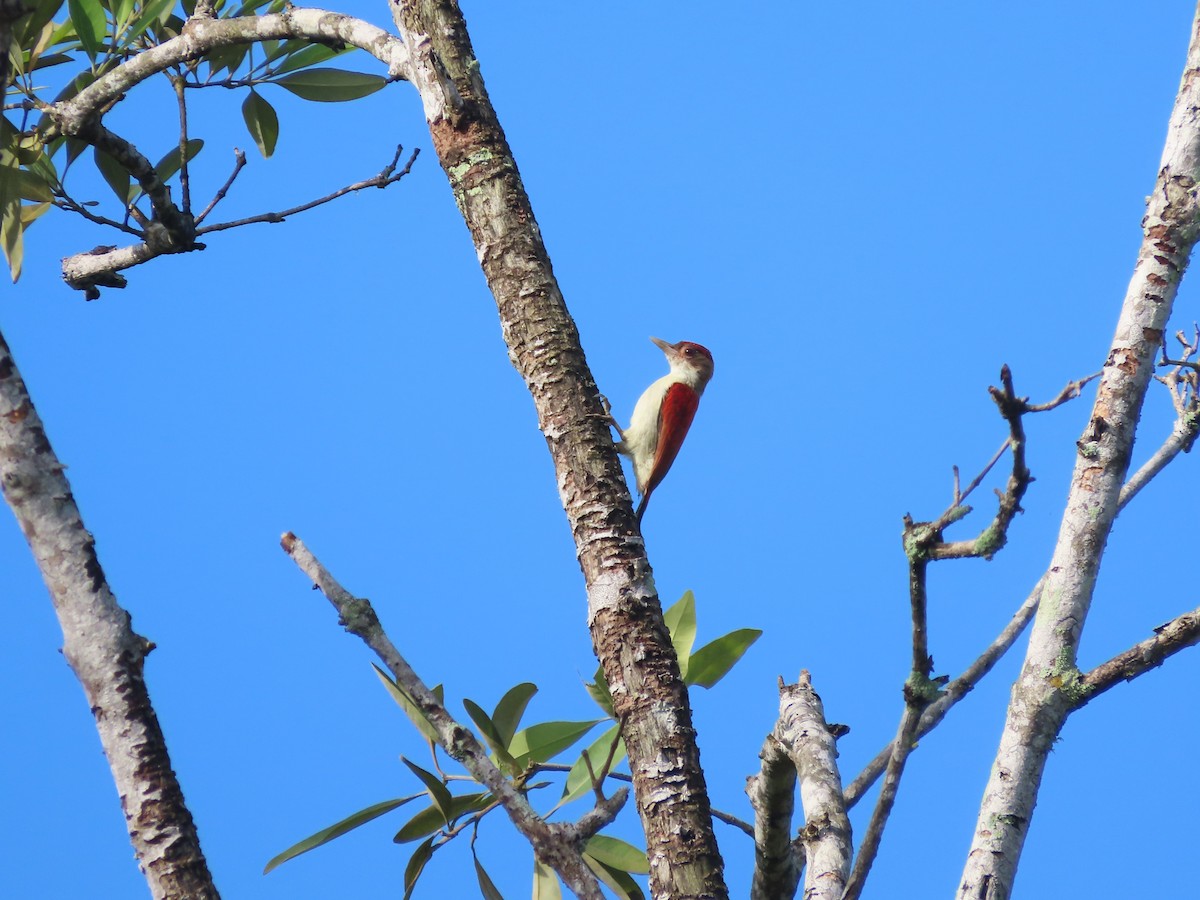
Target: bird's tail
x=641, y=509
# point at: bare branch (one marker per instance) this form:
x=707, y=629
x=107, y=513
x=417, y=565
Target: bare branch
x=101, y=647
x=1178, y=634
x=388, y=176
x=239, y=163
x=555, y=845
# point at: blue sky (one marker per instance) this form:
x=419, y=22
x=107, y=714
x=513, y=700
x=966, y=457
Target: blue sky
x=862, y=209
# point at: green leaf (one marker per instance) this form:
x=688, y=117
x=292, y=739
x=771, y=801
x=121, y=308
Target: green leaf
x=579, y=781
x=713, y=661
x=416, y=864
x=226, y=58
x=277, y=49
x=508, y=712
x=621, y=883
x=545, y=883
x=539, y=743
x=152, y=13
x=681, y=623
x=42, y=14
x=121, y=11
x=325, y=835
x=486, y=887
x=406, y=703
x=115, y=175
x=438, y=792
x=488, y=729
x=430, y=819
x=12, y=232
x=90, y=24
x=616, y=853
x=33, y=212
x=31, y=186
x=598, y=691
x=169, y=164
x=312, y=55
x=330, y=85
x=262, y=122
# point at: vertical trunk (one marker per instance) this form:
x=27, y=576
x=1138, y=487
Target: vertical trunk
x=623, y=609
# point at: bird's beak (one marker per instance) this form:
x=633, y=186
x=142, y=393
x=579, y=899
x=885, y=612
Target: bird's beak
x=662, y=345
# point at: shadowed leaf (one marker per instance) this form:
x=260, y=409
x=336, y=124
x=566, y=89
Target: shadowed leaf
x=262, y=123
x=438, y=792
x=485, y=725
x=485, y=883
x=416, y=865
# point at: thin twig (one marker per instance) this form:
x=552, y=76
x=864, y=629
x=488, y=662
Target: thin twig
x=67, y=204
x=387, y=177
x=239, y=163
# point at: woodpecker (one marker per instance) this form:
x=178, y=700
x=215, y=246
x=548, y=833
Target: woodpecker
x=663, y=415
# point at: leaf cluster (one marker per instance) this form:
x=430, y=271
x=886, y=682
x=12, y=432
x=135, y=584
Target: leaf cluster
x=524, y=753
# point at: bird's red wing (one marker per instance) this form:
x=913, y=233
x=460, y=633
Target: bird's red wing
x=674, y=419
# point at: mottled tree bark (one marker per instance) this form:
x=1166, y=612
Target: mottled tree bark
x=1049, y=685
x=623, y=608
x=101, y=647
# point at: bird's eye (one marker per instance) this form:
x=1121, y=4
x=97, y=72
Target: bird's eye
x=688, y=351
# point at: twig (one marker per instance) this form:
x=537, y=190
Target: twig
x=553, y=844
x=185, y=187
x=68, y=204
x=387, y=177
x=959, y=498
x=239, y=163
x=1070, y=392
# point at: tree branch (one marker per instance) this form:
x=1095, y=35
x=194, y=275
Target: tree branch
x=388, y=176
x=1178, y=634
x=174, y=231
x=555, y=845
x=104, y=652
